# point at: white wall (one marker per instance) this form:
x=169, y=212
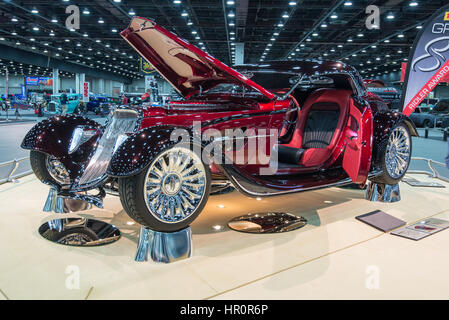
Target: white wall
x=164, y=86
x=13, y=86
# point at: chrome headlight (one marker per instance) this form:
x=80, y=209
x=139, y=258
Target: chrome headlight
x=79, y=136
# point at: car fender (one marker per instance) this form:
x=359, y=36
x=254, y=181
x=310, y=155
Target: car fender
x=383, y=124
x=53, y=136
x=140, y=148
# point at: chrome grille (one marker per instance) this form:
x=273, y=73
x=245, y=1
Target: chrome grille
x=122, y=121
x=51, y=107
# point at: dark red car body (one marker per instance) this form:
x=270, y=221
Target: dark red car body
x=351, y=156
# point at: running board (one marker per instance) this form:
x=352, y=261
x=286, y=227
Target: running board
x=256, y=187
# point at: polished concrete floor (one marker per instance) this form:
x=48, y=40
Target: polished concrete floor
x=334, y=257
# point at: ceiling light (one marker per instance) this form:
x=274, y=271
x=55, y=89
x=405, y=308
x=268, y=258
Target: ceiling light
x=231, y=24
x=132, y=12
x=400, y=35
x=86, y=11
x=387, y=41
x=280, y=25
x=231, y=14
x=194, y=32
x=114, y=30
x=35, y=11
x=349, y=40
x=413, y=4
x=100, y=20
x=177, y=1
x=36, y=28
x=54, y=20
x=117, y=1
x=184, y=14
x=14, y=19
x=324, y=25
x=348, y=3
x=418, y=27
x=360, y=35
x=390, y=16
x=230, y=2
x=334, y=16
x=285, y=15
x=292, y=3
x=315, y=34
x=14, y=33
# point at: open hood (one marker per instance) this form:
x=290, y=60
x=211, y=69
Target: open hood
x=188, y=69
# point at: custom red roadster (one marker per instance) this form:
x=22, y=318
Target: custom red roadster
x=161, y=161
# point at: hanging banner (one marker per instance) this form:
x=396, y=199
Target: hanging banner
x=146, y=67
x=23, y=91
x=428, y=62
x=86, y=92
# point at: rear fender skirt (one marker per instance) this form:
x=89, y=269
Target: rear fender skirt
x=139, y=149
x=53, y=136
x=383, y=123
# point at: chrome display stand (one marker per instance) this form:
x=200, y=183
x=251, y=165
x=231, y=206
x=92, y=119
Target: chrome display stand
x=379, y=192
x=267, y=222
x=75, y=231
x=58, y=204
x=164, y=247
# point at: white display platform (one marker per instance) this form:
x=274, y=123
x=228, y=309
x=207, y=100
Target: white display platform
x=333, y=257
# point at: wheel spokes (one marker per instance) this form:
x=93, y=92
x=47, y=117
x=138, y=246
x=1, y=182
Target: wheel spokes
x=175, y=185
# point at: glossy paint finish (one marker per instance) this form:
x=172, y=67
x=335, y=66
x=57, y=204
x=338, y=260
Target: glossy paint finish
x=53, y=136
x=186, y=67
x=140, y=148
x=192, y=72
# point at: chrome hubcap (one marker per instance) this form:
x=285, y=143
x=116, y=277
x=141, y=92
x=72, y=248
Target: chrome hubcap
x=57, y=170
x=175, y=185
x=397, y=156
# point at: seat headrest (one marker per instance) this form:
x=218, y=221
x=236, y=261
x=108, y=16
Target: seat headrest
x=324, y=95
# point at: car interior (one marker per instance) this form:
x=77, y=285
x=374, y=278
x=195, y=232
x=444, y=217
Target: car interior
x=311, y=132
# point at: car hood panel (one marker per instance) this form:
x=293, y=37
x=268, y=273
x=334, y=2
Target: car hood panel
x=188, y=69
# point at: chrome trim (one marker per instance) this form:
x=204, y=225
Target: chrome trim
x=278, y=192
x=397, y=154
x=123, y=121
x=175, y=185
x=164, y=247
x=379, y=192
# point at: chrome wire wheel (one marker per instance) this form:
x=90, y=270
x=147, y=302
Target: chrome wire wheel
x=175, y=185
x=57, y=170
x=398, y=152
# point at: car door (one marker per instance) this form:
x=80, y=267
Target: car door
x=359, y=140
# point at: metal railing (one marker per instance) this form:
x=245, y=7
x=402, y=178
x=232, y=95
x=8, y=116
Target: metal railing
x=434, y=173
x=15, y=164
x=13, y=178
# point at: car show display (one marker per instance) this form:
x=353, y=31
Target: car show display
x=332, y=132
x=219, y=150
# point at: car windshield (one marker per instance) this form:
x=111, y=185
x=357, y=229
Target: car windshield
x=272, y=81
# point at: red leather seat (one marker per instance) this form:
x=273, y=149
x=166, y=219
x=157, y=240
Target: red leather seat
x=322, y=119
